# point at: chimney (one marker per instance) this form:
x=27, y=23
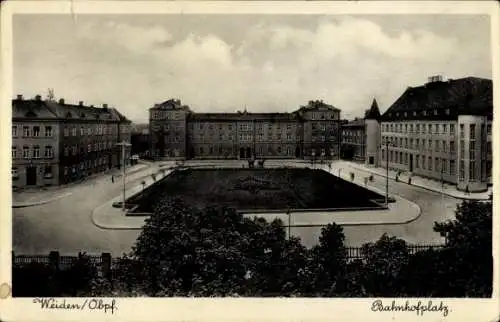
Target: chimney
x=19, y=97
x=104, y=105
x=80, y=103
x=38, y=97
x=61, y=101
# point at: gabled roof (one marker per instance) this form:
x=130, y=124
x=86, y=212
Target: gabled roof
x=32, y=108
x=465, y=96
x=373, y=113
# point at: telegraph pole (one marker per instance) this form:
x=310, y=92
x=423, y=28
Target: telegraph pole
x=123, y=144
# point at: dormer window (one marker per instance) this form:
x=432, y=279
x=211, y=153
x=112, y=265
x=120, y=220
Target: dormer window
x=69, y=114
x=447, y=111
x=424, y=113
x=30, y=114
x=397, y=114
x=405, y=114
x=414, y=113
x=435, y=112
x=82, y=115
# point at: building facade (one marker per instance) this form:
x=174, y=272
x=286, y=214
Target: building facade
x=441, y=130
x=354, y=140
x=311, y=132
x=56, y=143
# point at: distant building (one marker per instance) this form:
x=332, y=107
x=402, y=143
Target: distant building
x=311, y=132
x=354, y=140
x=56, y=143
x=440, y=130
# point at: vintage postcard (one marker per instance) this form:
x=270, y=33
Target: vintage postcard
x=249, y=161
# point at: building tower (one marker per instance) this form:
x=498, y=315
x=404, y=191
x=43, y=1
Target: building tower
x=372, y=132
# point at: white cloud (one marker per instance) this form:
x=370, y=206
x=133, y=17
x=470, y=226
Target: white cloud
x=272, y=67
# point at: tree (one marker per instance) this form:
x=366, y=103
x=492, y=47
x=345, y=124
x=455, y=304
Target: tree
x=469, y=260
x=384, y=261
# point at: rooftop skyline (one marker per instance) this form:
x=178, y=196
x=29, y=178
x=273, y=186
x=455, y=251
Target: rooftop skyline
x=225, y=63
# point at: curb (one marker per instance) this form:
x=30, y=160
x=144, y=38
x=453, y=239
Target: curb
x=421, y=186
x=39, y=203
x=419, y=213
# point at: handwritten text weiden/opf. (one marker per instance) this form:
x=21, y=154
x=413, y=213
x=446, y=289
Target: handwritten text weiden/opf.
x=87, y=304
x=419, y=308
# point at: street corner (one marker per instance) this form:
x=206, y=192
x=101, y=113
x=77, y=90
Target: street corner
x=110, y=218
x=405, y=211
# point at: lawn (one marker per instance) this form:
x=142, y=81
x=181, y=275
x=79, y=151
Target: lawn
x=257, y=189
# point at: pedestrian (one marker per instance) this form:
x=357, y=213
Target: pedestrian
x=112, y=178
x=467, y=189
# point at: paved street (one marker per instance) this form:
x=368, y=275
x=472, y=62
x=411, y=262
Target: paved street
x=65, y=224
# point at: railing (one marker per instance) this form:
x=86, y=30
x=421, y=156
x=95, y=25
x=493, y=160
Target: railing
x=105, y=260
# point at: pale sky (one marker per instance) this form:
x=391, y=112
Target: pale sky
x=222, y=63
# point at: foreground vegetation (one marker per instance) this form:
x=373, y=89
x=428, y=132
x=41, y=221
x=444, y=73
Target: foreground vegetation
x=183, y=251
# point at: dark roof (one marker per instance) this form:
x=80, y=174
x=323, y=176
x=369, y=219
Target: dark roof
x=443, y=100
x=48, y=109
x=355, y=123
x=171, y=104
x=373, y=113
x=241, y=116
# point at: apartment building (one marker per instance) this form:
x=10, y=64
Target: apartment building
x=440, y=130
x=354, y=140
x=56, y=143
x=311, y=132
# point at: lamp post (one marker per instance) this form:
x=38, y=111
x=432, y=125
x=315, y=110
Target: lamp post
x=289, y=223
x=387, y=172
x=123, y=144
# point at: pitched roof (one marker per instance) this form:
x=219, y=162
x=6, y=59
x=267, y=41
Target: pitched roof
x=444, y=100
x=373, y=113
x=355, y=123
x=317, y=105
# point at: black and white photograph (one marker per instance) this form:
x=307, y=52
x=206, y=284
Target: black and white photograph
x=321, y=154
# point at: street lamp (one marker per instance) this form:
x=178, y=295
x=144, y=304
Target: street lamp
x=387, y=144
x=289, y=223
x=123, y=144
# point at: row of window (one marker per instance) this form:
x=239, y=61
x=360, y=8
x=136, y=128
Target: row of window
x=46, y=170
x=33, y=131
x=432, y=128
x=99, y=129
x=474, y=174
x=422, y=162
x=165, y=115
x=99, y=146
x=86, y=165
x=434, y=112
x=421, y=144
x=33, y=152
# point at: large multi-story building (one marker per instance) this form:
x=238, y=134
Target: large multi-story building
x=441, y=130
x=56, y=143
x=311, y=132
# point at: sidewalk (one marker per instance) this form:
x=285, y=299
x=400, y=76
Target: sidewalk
x=428, y=184
x=400, y=212
x=35, y=197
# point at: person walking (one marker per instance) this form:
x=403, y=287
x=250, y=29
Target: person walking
x=112, y=178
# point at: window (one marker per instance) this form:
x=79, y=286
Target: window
x=452, y=128
x=472, y=131
x=26, y=152
x=417, y=161
x=401, y=142
x=423, y=144
x=429, y=145
x=14, y=131
x=445, y=128
x=401, y=157
x=462, y=135
x=429, y=128
x=14, y=152
x=66, y=131
x=418, y=128
x=472, y=170
x=423, y=162
x=406, y=158
x=447, y=111
x=406, y=143
x=66, y=150
x=488, y=129
x=445, y=147
x=411, y=128
x=429, y=163
x=452, y=147
x=14, y=172
x=472, y=150
x=82, y=131
x=462, y=148
x=48, y=131
x=461, y=170
x=444, y=169
x=26, y=131
x=411, y=143
x=437, y=146
x=73, y=131
x=417, y=144
x=452, y=167
x=436, y=128
x=436, y=164
x=406, y=128
x=49, y=153
x=391, y=156
x=36, y=131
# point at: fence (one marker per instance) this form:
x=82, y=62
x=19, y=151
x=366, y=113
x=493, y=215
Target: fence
x=105, y=262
